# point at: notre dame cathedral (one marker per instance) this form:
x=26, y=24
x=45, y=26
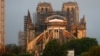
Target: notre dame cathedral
x=63, y=25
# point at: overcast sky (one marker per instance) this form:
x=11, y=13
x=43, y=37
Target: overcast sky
x=17, y=9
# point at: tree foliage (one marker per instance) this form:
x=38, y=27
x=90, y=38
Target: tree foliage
x=8, y=54
x=94, y=51
x=24, y=54
x=13, y=48
x=81, y=45
x=53, y=48
x=85, y=54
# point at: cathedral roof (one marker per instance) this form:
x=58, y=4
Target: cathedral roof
x=56, y=17
x=56, y=20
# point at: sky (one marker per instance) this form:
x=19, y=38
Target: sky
x=17, y=9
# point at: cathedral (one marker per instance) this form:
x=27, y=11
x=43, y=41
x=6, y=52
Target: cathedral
x=63, y=25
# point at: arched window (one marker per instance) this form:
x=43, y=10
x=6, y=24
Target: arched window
x=68, y=9
x=46, y=9
x=72, y=10
x=42, y=9
x=68, y=12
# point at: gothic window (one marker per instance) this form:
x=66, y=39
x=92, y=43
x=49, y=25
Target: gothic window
x=71, y=15
x=42, y=9
x=68, y=12
x=72, y=11
x=46, y=9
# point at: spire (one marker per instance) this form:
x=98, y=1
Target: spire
x=28, y=13
x=29, y=21
x=84, y=21
x=29, y=16
x=83, y=16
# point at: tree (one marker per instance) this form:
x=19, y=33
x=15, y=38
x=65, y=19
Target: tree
x=85, y=54
x=94, y=51
x=53, y=48
x=81, y=45
x=25, y=54
x=13, y=48
x=8, y=54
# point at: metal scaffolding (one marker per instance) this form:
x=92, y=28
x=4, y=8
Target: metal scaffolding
x=2, y=26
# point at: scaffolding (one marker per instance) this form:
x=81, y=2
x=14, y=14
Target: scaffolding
x=2, y=26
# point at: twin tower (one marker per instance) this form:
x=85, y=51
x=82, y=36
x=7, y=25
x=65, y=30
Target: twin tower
x=70, y=11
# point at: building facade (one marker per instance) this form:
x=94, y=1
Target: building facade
x=63, y=25
x=70, y=10
x=2, y=26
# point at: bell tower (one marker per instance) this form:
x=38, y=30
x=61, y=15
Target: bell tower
x=44, y=10
x=71, y=12
x=2, y=26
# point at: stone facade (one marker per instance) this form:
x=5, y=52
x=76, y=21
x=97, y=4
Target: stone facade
x=63, y=25
x=70, y=10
